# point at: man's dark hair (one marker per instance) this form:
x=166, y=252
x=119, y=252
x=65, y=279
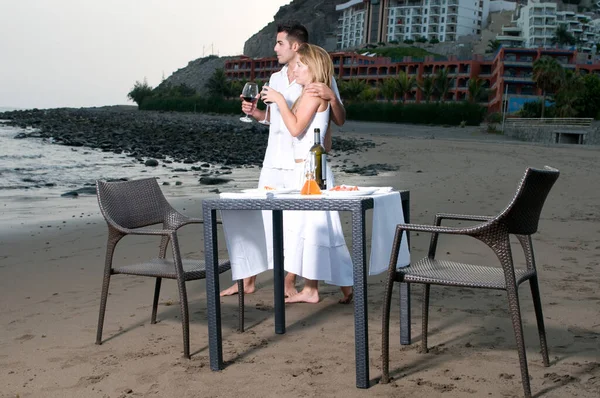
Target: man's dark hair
x=295, y=31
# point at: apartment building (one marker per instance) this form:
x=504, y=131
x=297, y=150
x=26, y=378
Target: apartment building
x=534, y=25
x=373, y=21
x=508, y=74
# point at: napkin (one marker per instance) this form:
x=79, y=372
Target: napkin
x=387, y=213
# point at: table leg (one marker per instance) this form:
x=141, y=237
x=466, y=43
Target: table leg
x=361, y=333
x=213, y=301
x=278, y=272
x=405, y=326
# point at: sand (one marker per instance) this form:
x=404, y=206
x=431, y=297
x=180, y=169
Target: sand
x=52, y=257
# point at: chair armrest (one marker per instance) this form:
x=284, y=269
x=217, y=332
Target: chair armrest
x=147, y=231
x=435, y=229
x=449, y=216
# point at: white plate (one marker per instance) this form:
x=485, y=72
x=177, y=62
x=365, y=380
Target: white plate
x=360, y=192
x=277, y=191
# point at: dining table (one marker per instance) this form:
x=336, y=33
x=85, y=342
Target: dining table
x=357, y=205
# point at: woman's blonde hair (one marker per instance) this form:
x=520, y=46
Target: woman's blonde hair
x=318, y=62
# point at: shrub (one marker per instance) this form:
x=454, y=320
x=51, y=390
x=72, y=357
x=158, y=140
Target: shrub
x=434, y=41
x=408, y=41
x=139, y=92
x=435, y=113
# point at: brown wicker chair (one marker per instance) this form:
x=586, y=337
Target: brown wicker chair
x=520, y=218
x=128, y=207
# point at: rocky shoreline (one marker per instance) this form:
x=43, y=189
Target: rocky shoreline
x=158, y=137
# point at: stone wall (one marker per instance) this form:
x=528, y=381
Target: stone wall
x=548, y=134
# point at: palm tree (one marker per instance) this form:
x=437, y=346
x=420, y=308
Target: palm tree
x=405, y=84
x=351, y=89
x=476, y=90
x=548, y=75
x=493, y=46
x=562, y=36
x=442, y=83
x=426, y=85
x=388, y=88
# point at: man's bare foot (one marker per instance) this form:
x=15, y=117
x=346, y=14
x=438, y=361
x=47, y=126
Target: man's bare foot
x=249, y=287
x=348, y=295
x=305, y=296
x=289, y=285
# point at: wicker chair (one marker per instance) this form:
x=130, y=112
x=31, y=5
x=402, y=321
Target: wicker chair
x=128, y=207
x=520, y=218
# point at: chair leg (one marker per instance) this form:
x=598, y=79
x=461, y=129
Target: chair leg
x=155, y=301
x=385, y=330
x=515, y=314
x=425, y=318
x=240, y=284
x=185, y=320
x=539, y=316
x=103, y=299
x=405, y=326
x=113, y=239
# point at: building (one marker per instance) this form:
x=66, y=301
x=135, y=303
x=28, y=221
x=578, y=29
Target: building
x=508, y=74
x=534, y=25
x=375, y=21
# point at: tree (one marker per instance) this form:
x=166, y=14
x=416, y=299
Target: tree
x=426, y=85
x=569, y=94
x=562, y=37
x=405, y=84
x=389, y=88
x=218, y=85
x=548, y=75
x=589, y=101
x=477, y=92
x=442, y=84
x=351, y=89
x=140, y=91
x=493, y=46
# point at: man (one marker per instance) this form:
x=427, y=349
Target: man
x=278, y=165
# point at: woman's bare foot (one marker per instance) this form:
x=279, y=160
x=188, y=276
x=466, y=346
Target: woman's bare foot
x=289, y=285
x=347, y=292
x=305, y=296
x=249, y=287
x=309, y=294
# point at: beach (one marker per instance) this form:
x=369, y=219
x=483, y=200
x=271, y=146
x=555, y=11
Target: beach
x=52, y=259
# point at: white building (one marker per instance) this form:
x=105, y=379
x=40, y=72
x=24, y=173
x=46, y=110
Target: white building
x=372, y=21
x=534, y=25
x=352, y=23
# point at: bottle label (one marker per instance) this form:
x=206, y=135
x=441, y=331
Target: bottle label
x=324, y=167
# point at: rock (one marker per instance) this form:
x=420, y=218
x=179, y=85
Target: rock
x=151, y=163
x=213, y=180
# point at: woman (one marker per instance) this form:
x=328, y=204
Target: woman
x=314, y=242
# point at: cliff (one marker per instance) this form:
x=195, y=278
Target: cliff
x=319, y=17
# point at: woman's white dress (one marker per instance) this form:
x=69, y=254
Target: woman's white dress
x=314, y=244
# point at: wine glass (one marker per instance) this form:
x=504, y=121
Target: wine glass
x=249, y=94
x=267, y=103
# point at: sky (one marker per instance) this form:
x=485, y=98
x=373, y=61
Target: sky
x=81, y=53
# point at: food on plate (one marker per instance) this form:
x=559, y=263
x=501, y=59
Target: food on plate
x=268, y=188
x=344, y=188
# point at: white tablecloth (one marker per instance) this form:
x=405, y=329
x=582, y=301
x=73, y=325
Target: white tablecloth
x=250, y=254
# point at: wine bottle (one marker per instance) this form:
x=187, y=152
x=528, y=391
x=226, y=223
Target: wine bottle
x=320, y=161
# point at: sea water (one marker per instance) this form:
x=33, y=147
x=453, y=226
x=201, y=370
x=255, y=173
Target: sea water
x=36, y=167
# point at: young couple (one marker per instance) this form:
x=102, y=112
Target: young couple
x=304, y=97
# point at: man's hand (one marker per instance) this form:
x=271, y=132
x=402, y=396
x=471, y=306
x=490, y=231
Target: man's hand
x=320, y=90
x=248, y=107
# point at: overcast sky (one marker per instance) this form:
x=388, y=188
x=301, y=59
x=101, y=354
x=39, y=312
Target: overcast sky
x=77, y=53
